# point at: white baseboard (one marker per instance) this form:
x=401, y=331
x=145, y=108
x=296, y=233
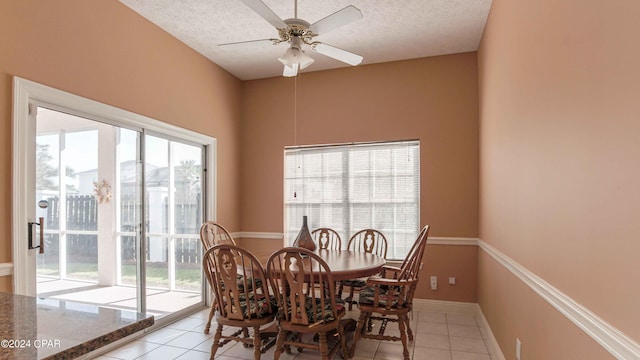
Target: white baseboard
x=451, y=307
x=492, y=344
x=464, y=308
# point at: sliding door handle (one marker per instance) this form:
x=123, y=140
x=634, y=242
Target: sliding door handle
x=41, y=235
x=41, y=246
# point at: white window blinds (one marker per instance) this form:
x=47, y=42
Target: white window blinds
x=353, y=187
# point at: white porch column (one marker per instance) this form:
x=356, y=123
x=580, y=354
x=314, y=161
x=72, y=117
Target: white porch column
x=107, y=249
x=157, y=218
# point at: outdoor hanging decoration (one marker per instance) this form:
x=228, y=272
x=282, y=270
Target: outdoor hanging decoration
x=102, y=191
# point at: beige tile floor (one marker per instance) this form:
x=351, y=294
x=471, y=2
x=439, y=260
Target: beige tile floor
x=438, y=336
x=159, y=302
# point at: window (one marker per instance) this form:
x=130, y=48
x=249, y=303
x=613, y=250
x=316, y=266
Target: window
x=57, y=142
x=353, y=187
x=89, y=173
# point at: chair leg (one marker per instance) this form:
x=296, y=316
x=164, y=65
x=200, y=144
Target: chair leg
x=364, y=317
x=403, y=338
x=216, y=341
x=282, y=335
x=256, y=343
x=324, y=348
x=245, y=334
x=343, y=343
x=351, y=293
x=211, y=313
x=409, y=332
x=298, y=340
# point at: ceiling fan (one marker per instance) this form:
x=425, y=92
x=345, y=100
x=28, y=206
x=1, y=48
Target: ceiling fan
x=298, y=33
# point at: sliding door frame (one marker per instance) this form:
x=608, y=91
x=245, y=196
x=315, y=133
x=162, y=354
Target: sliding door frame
x=27, y=93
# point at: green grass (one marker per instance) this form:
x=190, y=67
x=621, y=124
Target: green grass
x=188, y=276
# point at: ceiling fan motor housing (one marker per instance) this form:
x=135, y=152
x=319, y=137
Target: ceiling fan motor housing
x=296, y=28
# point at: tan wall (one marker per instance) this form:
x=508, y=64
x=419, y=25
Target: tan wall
x=104, y=51
x=6, y=283
x=434, y=100
x=559, y=110
x=517, y=311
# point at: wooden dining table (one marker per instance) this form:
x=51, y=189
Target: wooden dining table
x=346, y=264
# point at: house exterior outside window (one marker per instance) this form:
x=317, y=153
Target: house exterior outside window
x=351, y=187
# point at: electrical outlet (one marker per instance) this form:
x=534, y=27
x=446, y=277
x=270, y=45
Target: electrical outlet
x=434, y=283
x=518, y=348
x=452, y=280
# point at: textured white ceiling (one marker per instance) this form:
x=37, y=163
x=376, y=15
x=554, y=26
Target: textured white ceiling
x=390, y=30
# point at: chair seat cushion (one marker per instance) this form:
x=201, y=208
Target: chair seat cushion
x=357, y=283
x=240, y=282
x=367, y=294
x=250, y=280
x=259, y=307
x=322, y=314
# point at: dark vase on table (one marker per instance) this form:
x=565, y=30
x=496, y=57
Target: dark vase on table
x=304, y=239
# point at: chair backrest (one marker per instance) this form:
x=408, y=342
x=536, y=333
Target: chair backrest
x=410, y=268
x=212, y=233
x=238, y=281
x=369, y=240
x=303, y=285
x=327, y=238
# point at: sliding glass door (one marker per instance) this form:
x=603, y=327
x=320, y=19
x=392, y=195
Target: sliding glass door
x=121, y=212
x=173, y=211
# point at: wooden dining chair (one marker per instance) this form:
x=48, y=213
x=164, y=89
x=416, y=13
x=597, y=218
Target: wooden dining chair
x=305, y=294
x=242, y=301
x=327, y=238
x=391, y=296
x=370, y=241
x=211, y=234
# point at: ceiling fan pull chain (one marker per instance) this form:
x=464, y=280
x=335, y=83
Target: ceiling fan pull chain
x=295, y=111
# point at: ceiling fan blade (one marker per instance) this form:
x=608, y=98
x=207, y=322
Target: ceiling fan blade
x=266, y=13
x=290, y=71
x=248, y=43
x=338, y=54
x=336, y=20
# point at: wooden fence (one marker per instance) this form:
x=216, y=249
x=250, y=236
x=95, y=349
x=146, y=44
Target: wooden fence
x=82, y=215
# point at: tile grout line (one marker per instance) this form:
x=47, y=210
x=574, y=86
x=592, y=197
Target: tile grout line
x=449, y=336
x=192, y=350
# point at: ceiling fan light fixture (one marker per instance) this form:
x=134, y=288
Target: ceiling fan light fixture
x=295, y=57
x=288, y=58
x=305, y=60
x=290, y=71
